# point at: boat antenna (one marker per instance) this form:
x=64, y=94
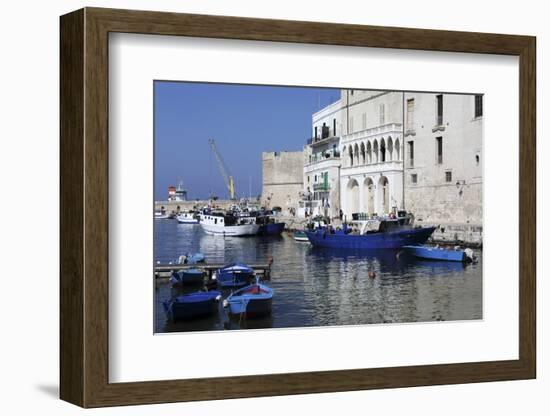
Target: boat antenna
x=209, y=175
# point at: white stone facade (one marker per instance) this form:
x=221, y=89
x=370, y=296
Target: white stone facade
x=371, y=177
x=321, y=193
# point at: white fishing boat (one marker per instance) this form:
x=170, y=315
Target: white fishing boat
x=226, y=224
x=189, y=217
x=161, y=215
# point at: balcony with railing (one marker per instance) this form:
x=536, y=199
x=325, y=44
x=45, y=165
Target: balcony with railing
x=326, y=135
x=393, y=129
x=326, y=159
x=322, y=186
x=317, y=141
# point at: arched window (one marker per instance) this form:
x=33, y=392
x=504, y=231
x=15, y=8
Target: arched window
x=362, y=150
x=382, y=150
x=369, y=152
x=383, y=196
x=397, y=150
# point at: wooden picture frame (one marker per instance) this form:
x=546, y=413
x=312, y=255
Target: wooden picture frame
x=84, y=207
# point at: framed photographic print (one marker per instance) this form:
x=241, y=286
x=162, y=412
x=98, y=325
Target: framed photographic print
x=255, y=207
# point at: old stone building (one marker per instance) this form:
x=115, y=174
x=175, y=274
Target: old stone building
x=444, y=163
x=376, y=152
x=282, y=180
x=371, y=179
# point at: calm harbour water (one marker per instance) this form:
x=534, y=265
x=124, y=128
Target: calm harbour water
x=319, y=287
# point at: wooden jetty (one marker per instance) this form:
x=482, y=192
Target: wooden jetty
x=165, y=270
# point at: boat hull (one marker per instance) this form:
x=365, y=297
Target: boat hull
x=300, y=236
x=389, y=240
x=234, y=280
x=187, y=221
x=251, y=309
x=231, y=231
x=195, y=258
x=235, y=275
x=187, y=277
x=434, y=253
x=192, y=306
x=252, y=301
x=271, y=229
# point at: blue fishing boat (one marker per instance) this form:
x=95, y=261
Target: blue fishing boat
x=438, y=253
x=378, y=233
x=234, y=275
x=192, y=305
x=187, y=277
x=250, y=301
x=267, y=224
x=272, y=228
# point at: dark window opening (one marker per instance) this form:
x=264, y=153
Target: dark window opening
x=411, y=153
x=324, y=131
x=448, y=176
x=439, y=120
x=439, y=144
x=478, y=105
x=414, y=178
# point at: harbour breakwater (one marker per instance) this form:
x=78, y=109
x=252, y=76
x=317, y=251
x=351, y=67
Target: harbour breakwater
x=174, y=207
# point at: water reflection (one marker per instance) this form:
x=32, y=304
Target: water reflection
x=318, y=287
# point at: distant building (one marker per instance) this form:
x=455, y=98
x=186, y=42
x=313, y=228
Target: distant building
x=444, y=163
x=181, y=193
x=171, y=193
x=321, y=193
x=282, y=180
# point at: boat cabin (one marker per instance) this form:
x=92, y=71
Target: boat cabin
x=226, y=219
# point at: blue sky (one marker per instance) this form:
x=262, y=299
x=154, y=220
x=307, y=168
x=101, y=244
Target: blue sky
x=244, y=120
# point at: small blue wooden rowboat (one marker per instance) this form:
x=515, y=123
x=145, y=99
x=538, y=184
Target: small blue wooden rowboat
x=187, y=277
x=438, y=253
x=234, y=275
x=192, y=305
x=191, y=258
x=250, y=301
